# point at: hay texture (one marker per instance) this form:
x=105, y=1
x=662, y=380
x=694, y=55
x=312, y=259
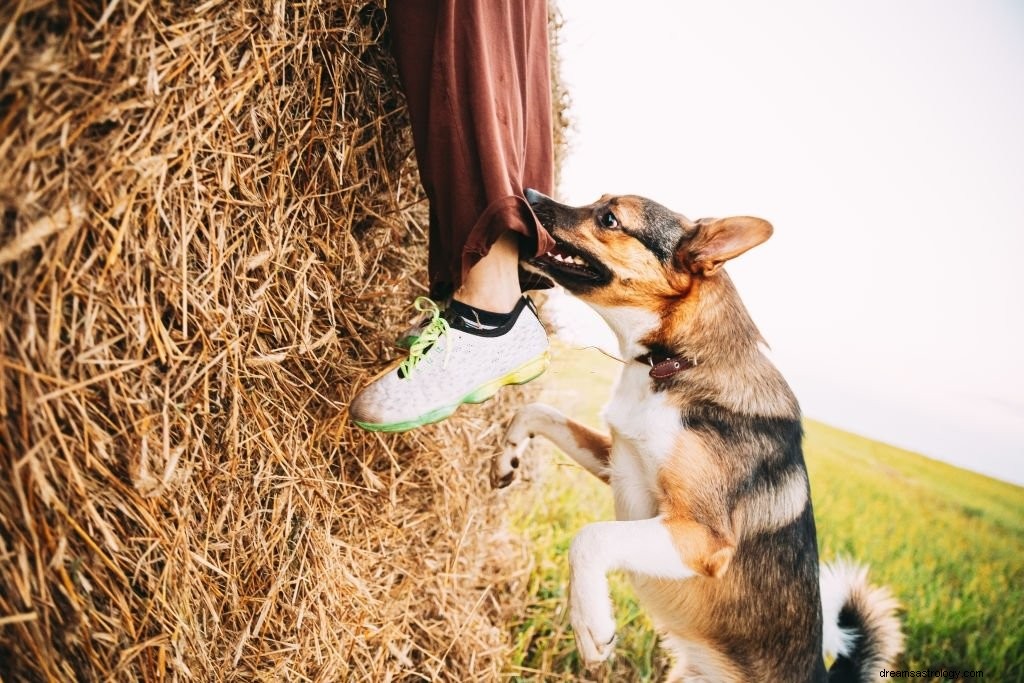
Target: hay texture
x=211, y=229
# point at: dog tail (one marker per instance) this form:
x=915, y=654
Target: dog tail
x=860, y=624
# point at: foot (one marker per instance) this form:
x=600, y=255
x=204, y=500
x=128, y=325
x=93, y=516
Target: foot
x=505, y=464
x=590, y=602
x=593, y=625
x=517, y=439
x=465, y=357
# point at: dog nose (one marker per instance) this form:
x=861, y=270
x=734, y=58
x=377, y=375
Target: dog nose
x=535, y=197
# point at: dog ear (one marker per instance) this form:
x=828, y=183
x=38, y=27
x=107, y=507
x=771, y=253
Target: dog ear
x=719, y=239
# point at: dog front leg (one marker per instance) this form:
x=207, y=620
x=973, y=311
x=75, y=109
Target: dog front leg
x=656, y=548
x=584, y=445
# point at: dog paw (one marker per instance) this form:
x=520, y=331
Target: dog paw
x=505, y=464
x=517, y=438
x=593, y=625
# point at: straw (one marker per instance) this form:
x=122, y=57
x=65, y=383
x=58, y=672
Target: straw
x=211, y=228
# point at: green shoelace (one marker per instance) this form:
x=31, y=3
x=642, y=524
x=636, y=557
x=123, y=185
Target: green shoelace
x=429, y=335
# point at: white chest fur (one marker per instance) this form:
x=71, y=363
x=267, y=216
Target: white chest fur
x=645, y=428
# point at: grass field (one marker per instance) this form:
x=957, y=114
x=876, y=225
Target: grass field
x=950, y=543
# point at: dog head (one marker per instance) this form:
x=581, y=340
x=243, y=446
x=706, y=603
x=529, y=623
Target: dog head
x=631, y=251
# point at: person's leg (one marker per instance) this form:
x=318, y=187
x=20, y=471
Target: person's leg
x=476, y=77
x=476, y=74
x=493, y=283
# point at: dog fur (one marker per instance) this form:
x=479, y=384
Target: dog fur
x=714, y=522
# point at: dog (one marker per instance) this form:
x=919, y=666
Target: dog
x=714, y=525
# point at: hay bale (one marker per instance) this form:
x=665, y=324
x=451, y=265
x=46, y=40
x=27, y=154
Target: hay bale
x=210, y=225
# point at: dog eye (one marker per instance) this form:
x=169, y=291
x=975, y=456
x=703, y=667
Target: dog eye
x=609, y=220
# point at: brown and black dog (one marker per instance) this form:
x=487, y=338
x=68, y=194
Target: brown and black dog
x=715, y=525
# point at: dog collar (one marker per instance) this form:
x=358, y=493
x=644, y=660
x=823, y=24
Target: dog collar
x=665, y=366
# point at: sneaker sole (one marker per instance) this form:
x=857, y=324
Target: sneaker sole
x=524, y=373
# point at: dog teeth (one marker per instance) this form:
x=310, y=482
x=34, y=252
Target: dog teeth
x=571, y=260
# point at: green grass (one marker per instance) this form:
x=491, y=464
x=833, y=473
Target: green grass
x=950, y=543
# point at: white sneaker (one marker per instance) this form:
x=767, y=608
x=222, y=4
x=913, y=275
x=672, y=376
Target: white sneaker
x=453, y=361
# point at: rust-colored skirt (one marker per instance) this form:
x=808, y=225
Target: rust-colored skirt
x=476, y=74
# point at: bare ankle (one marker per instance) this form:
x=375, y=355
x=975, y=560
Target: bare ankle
x=493, y=283
x=489, y=300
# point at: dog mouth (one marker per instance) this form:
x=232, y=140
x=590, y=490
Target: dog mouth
x=564, y=261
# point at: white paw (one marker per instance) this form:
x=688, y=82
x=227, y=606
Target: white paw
x=593, y=623
x=517, y=438
x=505, y=464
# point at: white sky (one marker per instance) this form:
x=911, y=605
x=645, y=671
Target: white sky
x=885, y=142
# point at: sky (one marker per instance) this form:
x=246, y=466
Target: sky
x=885, y=143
